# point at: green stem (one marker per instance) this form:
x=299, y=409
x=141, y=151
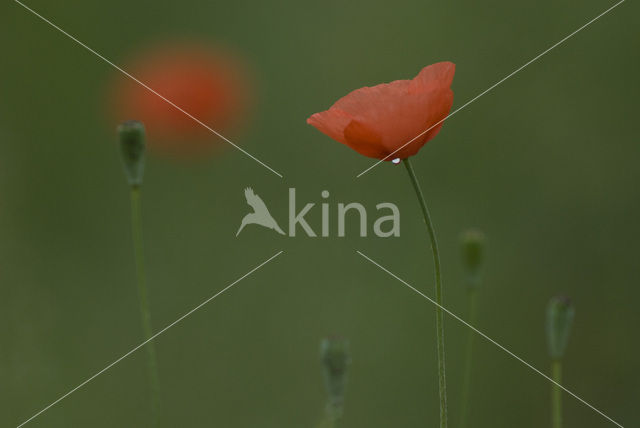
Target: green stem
x=145, y=314
x=466, y=383
x=556, y=394
x=442, y=382
x=334, y=415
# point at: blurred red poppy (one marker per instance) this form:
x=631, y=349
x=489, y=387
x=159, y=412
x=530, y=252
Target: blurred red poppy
x=376, y=121
x=205, y=82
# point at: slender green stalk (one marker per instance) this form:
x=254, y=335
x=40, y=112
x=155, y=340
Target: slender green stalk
x=472, y=246
x=329, y=422
x=556, y=394
x=466, y=383
x=335, y=423
x=145, y=314
x=442, y=381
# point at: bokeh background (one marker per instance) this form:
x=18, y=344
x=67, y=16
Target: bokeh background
x=546, y=165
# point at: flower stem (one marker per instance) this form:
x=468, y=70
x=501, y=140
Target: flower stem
x=442, y=382
x=556, y=394
x=145, y=314
x=466, y=383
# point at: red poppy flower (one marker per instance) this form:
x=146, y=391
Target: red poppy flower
x=204, y=82
x=376, y=121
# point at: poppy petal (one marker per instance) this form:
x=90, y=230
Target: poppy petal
x=413, y=114
x=435, y=75
x=331, y=122
x=364, y=140
x=365, y=102
x=397, y=117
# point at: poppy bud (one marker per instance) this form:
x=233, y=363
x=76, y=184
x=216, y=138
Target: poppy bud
x=132, y=144
x=472, y=243
x=335, y=357
x=560, y=312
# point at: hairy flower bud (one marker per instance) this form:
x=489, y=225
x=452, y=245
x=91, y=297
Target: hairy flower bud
x=132, y=144
x=560, y=313
x=472, y=244
x=334, y=352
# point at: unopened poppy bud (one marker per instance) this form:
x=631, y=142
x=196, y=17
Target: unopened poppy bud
x=560, y=312
x=472, y=243
x=334, y=352
x=132, y=144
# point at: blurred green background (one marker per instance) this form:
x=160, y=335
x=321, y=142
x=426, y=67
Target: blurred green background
x=546, y=165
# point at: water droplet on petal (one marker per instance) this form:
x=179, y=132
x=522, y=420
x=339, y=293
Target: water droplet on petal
x=396, y=161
